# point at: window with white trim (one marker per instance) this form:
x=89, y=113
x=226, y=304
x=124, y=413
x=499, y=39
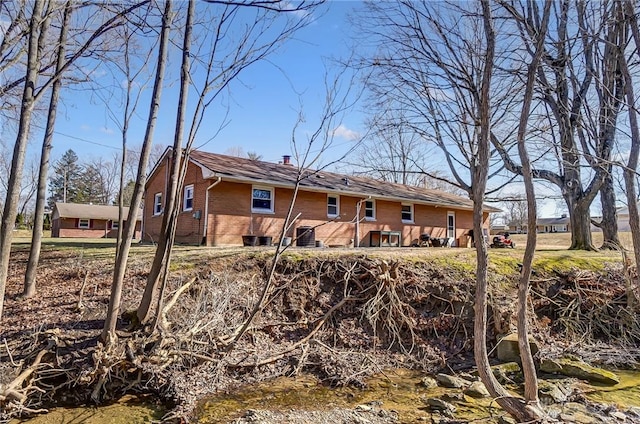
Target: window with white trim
x=115, y=225
x=187, y=198
x=407, y=212
x=84, y=223
x=262, y=200
x=370, y=210
x=333, y=206
x=157, y=204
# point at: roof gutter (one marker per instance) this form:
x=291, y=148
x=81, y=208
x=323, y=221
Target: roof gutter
x=206, y=208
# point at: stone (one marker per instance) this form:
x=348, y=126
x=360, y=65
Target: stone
x=429, y=382
x=476, y=390
x=552, y=393
x=620, y=416
x=440, y=405
x=507, y=373
x=507, y=349
x=580, y=370
x=451, y=382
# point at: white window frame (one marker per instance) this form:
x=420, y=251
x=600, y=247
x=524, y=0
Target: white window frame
x=402, y=212
x=336, y=206
x=373, y=210
x=157, y=204
x=115, y=224
x=187, y=196
x=84, y=227
x=270, y=209
x=451, y=230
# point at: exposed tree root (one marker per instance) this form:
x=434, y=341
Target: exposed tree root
x=342, y=319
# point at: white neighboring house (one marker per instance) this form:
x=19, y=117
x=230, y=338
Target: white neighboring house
x=623, y=218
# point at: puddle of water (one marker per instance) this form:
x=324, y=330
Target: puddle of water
x=127, y=410
x=398, y=390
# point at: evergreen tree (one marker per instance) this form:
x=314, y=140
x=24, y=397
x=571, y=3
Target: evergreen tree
x=92, y=187
x=127, y=193
x=65, y=180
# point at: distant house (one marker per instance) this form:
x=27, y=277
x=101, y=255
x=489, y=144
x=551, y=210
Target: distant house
x=88, y=221
x=623, y=218
x=560, y=224
x=553, y=225
x=225, y=198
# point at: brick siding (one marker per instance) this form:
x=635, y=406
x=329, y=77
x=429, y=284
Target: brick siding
x=230, y=215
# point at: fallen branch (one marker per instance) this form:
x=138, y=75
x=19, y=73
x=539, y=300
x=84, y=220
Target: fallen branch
x=15, y=390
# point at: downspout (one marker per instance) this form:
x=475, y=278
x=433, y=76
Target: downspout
x=356, y=242
x=206, y=209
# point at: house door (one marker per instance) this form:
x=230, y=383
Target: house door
x=451, y=224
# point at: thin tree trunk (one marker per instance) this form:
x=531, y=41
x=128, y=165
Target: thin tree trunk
x=109, y=334
x=36, y=237
x=532, y=408
x=514, y=406
x=13, y=190
x=158, y=273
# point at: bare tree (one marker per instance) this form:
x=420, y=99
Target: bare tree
x=630, y=170
x=36, y=238
x=394, y=152
x=122, y=256
x=444, y=79
x=309, y=161
x=565, y=83
x=37, y=40
x=36, y=31
x=516, y=210
x=223, y=55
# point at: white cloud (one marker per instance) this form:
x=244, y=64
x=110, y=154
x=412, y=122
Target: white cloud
x=292, y=7
x=85, y=127
x=346, y=133
x=106, y=130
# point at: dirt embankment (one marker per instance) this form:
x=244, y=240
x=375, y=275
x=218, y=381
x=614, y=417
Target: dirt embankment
x=341, y=318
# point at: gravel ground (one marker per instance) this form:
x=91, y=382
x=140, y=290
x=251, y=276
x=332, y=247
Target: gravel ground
x=363, y=414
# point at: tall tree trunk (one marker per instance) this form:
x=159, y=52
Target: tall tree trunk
x=41, y=198
x=611, y=98
x=108, y=333
x=609, y=223
x=629, y=172
x=159, y=269
x=580, y=221
x=19, y=150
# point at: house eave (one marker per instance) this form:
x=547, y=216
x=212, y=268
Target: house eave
x=280, y=184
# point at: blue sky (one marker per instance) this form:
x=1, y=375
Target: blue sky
x=264, y=102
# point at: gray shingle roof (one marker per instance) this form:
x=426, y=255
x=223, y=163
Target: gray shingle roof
x=77, y=210
x=246, y=170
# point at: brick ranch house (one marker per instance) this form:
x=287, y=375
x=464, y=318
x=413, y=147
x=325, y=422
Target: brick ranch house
x=224, y=198
x=87, y=221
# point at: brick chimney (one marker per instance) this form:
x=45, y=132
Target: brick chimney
x=286, y=159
